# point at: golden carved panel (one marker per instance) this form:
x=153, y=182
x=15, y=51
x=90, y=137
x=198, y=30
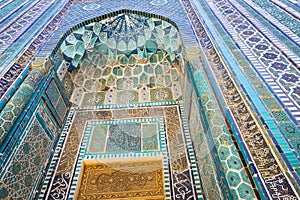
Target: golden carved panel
x=139, y=179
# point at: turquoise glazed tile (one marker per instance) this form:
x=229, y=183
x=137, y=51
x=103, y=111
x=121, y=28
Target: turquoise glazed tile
x=208, y=88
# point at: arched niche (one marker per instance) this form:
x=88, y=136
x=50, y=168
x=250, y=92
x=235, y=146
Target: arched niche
x=119, y=58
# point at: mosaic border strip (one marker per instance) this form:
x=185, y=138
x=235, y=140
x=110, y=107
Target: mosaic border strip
x=290, y=104
x=56, y=156
x=19, y=65
x=264, y=113
x=12, y=11
x=264, y=95
x=213, y=181
x=260, y=67
x=42, y=6
x=269, y=36
x=275, y=22
x=287, y=41
x=224, y=145
x=190, y=149
x=290, y=14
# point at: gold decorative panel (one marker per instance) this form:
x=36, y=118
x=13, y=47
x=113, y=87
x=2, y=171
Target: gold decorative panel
x=138, y=179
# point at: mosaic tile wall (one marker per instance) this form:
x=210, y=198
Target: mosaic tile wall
x=13, y=109
x=273, y=106
x=95, y=64
x=122, y=136
x=238, y=106
x=138, y=81
x=280, y=74
x=57, y=100
x=213, y=133
x=120, y=124
x=30, y=137
x=29, y=159
x=223, y=72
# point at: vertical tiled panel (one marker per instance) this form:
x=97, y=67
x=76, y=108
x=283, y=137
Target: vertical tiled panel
x=47, y=119
x=19, y=179
x=56, y=99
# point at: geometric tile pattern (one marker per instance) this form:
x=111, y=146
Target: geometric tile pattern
x=212, y=135
x=280, y=74
x=57, y=100
x=133, y=57
x=123, y=137
x=10, y=33
x=212, y=184
x=284, y=123
x=108, y=58
x=235, y=173
x=13, y=109
x=126, y=33
x=139, y=80
x=20, y=177
x=184, y=174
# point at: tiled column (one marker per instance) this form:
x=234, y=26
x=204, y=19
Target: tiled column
x=18, y=101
